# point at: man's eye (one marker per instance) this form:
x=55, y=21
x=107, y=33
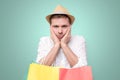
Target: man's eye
x=64, y=26
x=55, y=26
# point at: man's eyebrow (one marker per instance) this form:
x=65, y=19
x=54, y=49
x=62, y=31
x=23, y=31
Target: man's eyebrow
x=64, y=25
x=55, y=25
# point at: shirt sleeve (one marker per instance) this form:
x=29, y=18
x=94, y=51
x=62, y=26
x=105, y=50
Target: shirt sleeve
x=42, y=49
x=81, y=53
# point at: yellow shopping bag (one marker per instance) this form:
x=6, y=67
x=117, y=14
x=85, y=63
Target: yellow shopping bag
x=42, y=72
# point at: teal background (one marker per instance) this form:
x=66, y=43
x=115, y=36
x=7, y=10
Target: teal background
x=22, y=23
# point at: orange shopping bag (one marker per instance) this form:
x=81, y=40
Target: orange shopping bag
x=42, y=72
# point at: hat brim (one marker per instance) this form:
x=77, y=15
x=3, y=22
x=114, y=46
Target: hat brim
x=70, y=16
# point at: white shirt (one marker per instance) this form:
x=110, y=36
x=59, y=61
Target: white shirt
x=77, y=45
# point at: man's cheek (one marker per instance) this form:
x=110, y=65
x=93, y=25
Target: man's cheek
x=55, y=32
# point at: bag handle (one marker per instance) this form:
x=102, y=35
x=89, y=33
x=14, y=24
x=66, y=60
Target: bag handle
x=42, y=61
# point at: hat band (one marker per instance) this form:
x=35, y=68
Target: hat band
x=60, y=12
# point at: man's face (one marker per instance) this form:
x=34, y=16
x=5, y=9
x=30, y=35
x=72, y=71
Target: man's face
x=60, y=26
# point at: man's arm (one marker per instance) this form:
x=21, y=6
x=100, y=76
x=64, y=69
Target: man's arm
x=71, y=57
x=50, y=58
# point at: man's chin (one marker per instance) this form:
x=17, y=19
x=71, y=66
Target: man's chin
x=60, y=38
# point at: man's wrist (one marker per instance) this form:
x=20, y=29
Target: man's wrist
x=57, y=45
x=63, y=45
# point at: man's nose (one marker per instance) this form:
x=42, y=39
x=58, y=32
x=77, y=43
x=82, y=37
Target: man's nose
x=60, y=31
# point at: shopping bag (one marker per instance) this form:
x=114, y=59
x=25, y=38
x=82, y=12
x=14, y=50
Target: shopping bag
x=82, y=73
x=42, y=72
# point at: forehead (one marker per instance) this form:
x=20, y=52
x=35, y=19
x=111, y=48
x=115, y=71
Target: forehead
x=60, y=21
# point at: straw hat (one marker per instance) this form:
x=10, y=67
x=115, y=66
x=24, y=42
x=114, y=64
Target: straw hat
x=61, y=10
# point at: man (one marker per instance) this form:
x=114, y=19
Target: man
x=61, y=49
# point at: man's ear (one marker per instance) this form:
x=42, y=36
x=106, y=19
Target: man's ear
x=70, y=26
x=50, y=26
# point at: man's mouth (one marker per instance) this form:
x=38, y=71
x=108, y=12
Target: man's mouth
x=60, y=37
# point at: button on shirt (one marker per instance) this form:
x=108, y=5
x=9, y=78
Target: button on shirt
x=76, y=44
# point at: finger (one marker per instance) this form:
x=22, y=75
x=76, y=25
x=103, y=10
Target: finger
x=68, y=32
x=52, y=33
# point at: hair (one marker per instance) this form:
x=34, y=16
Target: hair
x=60, y=16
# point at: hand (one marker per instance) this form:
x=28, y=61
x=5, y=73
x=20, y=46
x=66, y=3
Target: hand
x=66, y=38
x=54, y=37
